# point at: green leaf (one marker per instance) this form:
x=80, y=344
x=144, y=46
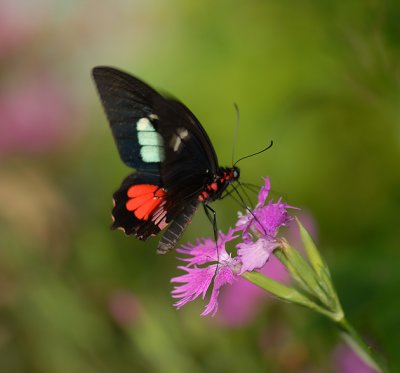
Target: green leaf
x=285, y=293
x=284, y=260
x=279, y=290
x=303, y=270
x=312, y=252
x=321, y=270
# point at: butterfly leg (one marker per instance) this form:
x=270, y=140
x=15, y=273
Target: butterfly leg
x=227, y=193
x=212, y=217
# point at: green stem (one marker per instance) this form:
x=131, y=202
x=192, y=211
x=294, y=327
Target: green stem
x=291, y=295
x=364, y=351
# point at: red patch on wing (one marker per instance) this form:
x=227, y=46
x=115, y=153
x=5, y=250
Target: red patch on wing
x=144, y=199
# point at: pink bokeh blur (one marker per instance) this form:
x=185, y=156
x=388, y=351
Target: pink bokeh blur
x=36, y=116
x=124, y=307
x=19, y=24
x=38, y=110
x=345, y=360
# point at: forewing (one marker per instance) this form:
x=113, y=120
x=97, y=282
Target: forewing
x=130, y=108
x=190, y=158
x=151, y=130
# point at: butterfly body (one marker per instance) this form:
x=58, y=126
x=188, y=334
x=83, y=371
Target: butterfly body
x=176, y=165
x=214, y=188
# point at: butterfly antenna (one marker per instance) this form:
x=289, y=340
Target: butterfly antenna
x=256, y=153
x=235, y=135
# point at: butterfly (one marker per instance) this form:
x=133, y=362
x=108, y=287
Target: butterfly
x=176, y=165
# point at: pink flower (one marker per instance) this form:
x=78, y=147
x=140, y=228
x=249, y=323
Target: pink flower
x=261, y=224
x=209, y=263
x=220, y=266
x=255, y=254
x=240, y=303
x=264, y=221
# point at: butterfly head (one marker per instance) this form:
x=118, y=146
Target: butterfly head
x=226, y=176
x=235, y=173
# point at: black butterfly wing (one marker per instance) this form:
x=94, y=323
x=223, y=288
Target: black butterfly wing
x=161, y=138
x=127, y=100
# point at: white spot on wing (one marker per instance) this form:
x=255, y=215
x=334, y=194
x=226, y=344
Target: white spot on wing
x=175, y=143
x=150, y=138
x=176, y=140
x=143, y=124
x=153, y=116
x=152, y=153
x=183, y=133
x=150, y=141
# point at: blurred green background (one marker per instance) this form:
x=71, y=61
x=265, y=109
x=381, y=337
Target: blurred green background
x=320, y=78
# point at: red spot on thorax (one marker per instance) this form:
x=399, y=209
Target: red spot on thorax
x=144, y=199
x=203, y=196
x=214, y=186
